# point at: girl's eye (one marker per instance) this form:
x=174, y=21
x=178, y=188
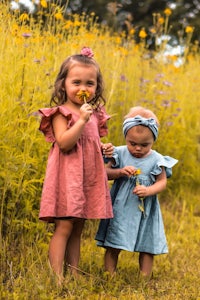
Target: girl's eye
x=140, y=145
x=90, y=83
x=76, y=82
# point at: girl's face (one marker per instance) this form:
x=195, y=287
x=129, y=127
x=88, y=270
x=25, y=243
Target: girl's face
x=80, y=77
x=139, y=140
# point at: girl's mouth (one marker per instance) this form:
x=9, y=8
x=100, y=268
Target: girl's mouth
x=138, y=155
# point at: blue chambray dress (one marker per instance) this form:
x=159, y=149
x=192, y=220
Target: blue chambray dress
x=131, y=229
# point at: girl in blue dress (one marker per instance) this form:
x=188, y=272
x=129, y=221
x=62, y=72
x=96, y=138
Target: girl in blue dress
x=139, y=174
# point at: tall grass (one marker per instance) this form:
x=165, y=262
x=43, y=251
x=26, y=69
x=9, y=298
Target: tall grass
x=30, y=56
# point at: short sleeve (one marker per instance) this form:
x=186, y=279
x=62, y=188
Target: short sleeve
x=46, y=121
x=115, y=156
x=102, y=117
x=167, y=162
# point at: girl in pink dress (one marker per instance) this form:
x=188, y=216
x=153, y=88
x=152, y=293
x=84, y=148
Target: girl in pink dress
x=75, y=186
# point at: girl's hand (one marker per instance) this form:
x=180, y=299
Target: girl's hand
x=128, y=171
x=119, y=172
x=107, y=149
x=157, y=187
x=85, y=112
x=141, y=191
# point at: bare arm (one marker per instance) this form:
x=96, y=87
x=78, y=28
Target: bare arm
x=157, y=187
x=66, y=138
x=113, y=173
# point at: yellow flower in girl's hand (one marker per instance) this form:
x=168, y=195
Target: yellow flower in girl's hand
x=140, y=206
x=137, y=172
x=83, y=95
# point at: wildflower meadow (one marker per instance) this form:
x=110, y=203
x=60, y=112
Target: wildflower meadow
x=31, y=52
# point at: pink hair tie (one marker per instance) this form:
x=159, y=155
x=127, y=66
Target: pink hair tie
x=87, y=52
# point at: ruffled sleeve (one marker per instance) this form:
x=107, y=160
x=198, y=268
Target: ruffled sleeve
x=46, y=121
x=167, y=162
x=115, y=156
x=102, y=117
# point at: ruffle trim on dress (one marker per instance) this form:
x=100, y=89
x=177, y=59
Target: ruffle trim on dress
x=167, y=162
x=164, y=161
x=46, y=121
x=116, y=158
x=102, y=117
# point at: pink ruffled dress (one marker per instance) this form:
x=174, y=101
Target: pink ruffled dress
x=75, y=184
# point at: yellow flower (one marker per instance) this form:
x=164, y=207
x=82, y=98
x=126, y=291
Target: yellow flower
x=189, y=29
x=152, y=30
x=132, y=31
x=77, y=23
x=43, y=3
x=58, y=16
x=167, y=12
x=15, y=29
x=83, y=95
x=137, y=172
x=117, y=40
x=142, y=33
x=161, y=20
x=68, y=24
x=24, y=17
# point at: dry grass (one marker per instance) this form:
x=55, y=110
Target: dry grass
x=176, y=275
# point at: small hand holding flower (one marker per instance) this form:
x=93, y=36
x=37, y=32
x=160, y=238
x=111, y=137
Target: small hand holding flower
x=140, y=190
x=127, y=171
x=85, y=110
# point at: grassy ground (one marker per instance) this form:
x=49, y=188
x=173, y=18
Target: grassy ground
x=176, y=275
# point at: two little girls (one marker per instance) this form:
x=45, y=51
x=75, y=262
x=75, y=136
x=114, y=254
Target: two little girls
x=75, y=186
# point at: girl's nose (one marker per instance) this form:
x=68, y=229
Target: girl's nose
x=138, y=147
x=83, y=88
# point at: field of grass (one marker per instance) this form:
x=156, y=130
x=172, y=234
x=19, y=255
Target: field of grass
x=30, y=56
x=26, y=274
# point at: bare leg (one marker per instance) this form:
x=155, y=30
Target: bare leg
x=73, y=245
x=111, y=259
x=57, y=247
x=146, y=264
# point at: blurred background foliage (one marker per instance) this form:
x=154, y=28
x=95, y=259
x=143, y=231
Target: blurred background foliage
x=126, y=14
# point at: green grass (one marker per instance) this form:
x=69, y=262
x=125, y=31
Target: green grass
x=28, y=66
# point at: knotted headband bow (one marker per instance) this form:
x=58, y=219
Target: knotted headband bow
x=138, y=120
